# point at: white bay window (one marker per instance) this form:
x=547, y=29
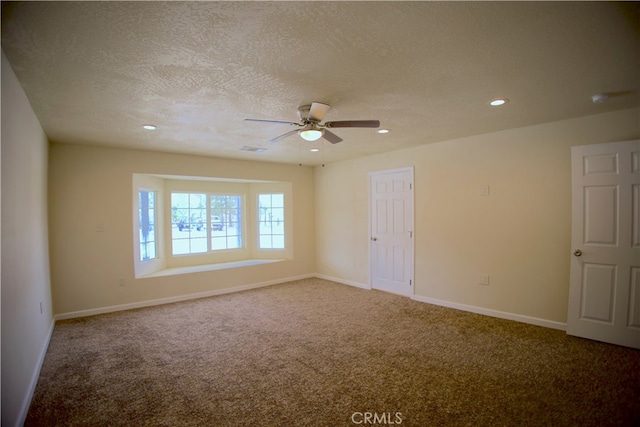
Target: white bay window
x=183, y=222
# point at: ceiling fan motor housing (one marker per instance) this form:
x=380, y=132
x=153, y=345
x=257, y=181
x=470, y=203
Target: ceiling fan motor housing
x=303, y=112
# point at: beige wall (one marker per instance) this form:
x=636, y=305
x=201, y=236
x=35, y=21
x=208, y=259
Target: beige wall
x=25, y=256
x=519, y=235
x=91, y=186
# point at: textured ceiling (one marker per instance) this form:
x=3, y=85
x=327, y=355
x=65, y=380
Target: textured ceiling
x=95, y=72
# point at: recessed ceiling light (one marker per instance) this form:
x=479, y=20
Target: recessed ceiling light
x=315, y=150
x=149, y=127
x=253, y=149
x=498, y=101
x=383, y=131
x=600, y=98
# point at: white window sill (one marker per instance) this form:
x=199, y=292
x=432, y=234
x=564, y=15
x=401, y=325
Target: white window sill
x=209, y=267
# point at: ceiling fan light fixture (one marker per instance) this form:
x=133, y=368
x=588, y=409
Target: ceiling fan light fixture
x=310, y=134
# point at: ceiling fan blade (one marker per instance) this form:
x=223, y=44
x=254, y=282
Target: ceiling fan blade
x=283, y=136
x=354, y=124
x=273, y=121
x=331, y=137
x=317, y=111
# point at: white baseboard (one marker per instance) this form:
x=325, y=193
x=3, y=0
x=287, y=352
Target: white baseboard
x=149, y=303
x=343, y=281
x=24, y=410
x=177, y=298
x=493, y=313
x=470, y=308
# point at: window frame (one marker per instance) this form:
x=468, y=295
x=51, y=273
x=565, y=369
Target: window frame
x=207, y=225
x=240, y=218
x=259, y=221
x=145, y=182
x=248, y=190
x=154, y=224
x=188, y=225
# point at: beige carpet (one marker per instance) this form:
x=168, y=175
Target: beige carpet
x=317, y=353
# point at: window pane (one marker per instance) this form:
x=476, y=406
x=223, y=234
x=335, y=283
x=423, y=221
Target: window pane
x=226, y=222
x=218, y=243
x=265, y=227
x=199, y=245
x=197, y=219
x=278, y=242
x=277, y=219
x=197, y=200
x=180, y=247
x=176, y=233
x=271, y=221
x=151, y=237
x=179, y=200
x=265, y=242
x=188, y=223
x=277, y=200
x=234, y=242
x=264, y=200
x=146, y=222
x=149, y=251
x=180, y=214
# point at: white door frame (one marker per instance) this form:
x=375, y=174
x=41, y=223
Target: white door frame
x=410, y=170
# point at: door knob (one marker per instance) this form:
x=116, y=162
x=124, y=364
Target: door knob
x=577, y=252
x=374, y=238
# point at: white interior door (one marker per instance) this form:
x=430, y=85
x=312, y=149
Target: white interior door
x=604, y=293
x=391, y=250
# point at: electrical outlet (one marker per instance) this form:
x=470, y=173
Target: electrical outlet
x=121, y=281
x=483, y=279
x=484, y=191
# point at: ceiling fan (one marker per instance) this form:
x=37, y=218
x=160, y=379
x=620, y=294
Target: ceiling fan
x=311, y=128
